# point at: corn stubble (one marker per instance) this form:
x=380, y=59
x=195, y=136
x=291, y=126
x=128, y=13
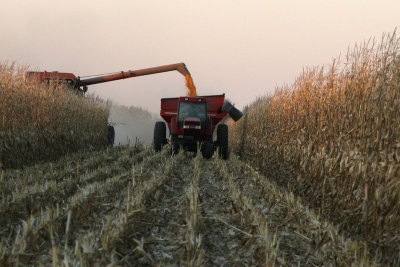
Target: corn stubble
x=129, y=206
x=333, y=138
x=39, y=122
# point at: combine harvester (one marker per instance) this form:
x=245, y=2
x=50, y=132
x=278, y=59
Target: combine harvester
x=191, y=119
x=81, y=86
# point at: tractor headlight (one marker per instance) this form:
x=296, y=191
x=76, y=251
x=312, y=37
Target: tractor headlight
x=197, y=127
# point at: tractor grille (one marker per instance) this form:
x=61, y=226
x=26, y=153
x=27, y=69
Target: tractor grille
x=192, y=132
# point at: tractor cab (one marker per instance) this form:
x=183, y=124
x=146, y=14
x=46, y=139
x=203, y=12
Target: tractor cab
x=192, y=115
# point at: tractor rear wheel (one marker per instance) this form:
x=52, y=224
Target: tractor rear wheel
x=222, y=141
x=160, y=133
x=207, y=149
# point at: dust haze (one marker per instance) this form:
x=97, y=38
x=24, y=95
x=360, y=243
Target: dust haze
x=132, y=125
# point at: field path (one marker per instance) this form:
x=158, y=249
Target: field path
x=133, y=207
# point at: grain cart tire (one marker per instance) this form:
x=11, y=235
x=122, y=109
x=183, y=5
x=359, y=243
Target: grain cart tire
x=207, y=150
x=160, y=133
x=110, y=135
x=222, y=141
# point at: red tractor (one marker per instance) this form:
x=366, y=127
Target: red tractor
x=192, y=121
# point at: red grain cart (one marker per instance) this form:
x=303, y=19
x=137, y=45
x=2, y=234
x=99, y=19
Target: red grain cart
x=192, y=121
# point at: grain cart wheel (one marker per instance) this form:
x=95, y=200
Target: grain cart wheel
x=207, y=150
x=110, y=135
x=222, y=141
x=160, y=133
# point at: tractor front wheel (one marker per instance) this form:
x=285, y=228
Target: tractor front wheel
x=160, y=133
x=222, y=141
x=207, y=150
x=174, y=145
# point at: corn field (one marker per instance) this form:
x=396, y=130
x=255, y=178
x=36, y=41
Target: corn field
x=333, y=139
x=313, y=180
x=41, y=122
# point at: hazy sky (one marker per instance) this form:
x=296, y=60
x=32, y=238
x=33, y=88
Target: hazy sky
x=241, y=48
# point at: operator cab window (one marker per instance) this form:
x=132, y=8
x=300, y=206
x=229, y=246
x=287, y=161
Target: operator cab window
x=192, y=109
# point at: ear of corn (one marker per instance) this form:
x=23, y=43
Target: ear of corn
x=333, y=137
x=41, y=122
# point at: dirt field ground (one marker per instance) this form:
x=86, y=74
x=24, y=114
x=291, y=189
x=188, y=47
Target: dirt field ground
x=134, y=207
